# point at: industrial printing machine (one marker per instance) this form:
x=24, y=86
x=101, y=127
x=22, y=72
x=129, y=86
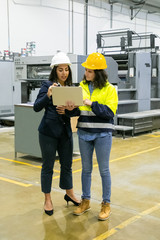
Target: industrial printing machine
x=155, y=81
x=6, y=91
x=31, y=71
x=139, y=77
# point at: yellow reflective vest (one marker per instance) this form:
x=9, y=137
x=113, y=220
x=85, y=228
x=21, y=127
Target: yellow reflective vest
x=99, y=116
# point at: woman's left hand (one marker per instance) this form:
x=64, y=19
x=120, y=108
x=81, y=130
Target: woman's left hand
x=87, y=102
x=60, y=109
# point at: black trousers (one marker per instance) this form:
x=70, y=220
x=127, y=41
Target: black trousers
x=64, y=147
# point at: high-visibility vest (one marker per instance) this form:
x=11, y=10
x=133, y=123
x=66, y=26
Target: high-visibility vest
x=91, y=122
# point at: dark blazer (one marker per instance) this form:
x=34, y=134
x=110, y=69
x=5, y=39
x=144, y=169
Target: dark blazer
x=52, y=123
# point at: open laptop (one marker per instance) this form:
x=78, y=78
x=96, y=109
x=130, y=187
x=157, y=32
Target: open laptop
x=60, y=95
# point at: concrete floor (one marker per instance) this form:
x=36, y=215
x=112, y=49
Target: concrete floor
x=135, y=169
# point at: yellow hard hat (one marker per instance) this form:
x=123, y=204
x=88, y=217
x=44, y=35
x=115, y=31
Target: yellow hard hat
x=95, y=61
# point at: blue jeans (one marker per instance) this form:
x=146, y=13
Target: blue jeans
x=102, y=146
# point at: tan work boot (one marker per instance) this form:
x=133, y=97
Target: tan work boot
x=105, y=211
x=83, y=207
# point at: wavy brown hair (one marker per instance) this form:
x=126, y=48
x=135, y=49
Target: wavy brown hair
x=100, y=80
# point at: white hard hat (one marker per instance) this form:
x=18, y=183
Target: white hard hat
x=60, y=58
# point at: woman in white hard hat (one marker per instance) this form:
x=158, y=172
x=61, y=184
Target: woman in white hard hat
x=95, y=126
x=55, y=133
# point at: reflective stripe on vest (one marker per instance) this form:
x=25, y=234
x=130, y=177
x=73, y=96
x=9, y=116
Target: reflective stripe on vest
x=87, y=113
x=95, y=125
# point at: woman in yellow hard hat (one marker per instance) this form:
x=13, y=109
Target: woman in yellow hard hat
x=95, y=126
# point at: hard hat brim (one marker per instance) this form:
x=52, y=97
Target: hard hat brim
x=92, y=67
x=52, y=65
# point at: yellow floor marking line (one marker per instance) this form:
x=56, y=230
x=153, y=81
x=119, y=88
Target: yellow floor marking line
x=77, y=159
x=79, y=170
x=15, y=182
x=127, y=222
x=28, y=164
x=130, y=155
x=56, y=177
x=117, y=159
x=135, y=154
x=156, y=136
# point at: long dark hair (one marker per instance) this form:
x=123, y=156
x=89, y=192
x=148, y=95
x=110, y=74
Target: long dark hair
x=100, y=80
x=53, y=76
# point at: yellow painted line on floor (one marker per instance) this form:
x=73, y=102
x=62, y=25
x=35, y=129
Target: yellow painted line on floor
x=24, y=163
x=19, y=162
x=117, y=159
x=156, y=136
x=127, y=222
x=130, y=155
x=56, y=177
x=77, y=159
x=135, y=154
x=79, y=170
x=15, y=182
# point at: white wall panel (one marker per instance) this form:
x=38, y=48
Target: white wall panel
x=3, y=26
x=48, y=27
x=47, y=23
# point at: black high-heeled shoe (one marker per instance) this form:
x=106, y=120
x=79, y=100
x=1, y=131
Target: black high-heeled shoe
x=68, y=199
x=49, y=212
